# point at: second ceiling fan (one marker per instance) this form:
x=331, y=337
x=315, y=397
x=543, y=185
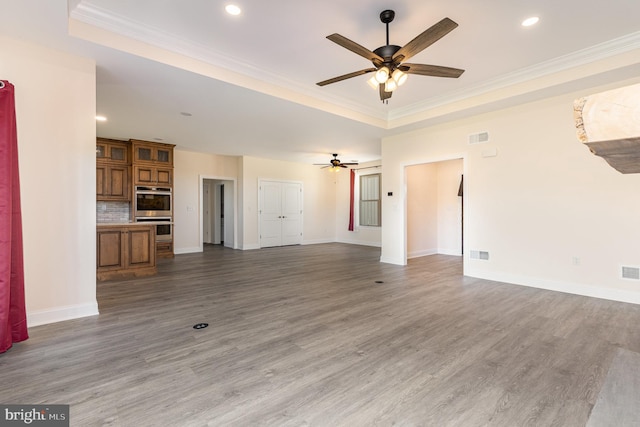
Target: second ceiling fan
x=335, y=163
x=388, y=61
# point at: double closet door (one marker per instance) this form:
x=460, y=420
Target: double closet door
x=280, y=213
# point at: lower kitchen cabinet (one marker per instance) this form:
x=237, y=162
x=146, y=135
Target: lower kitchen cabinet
x=125, y=250
x=164, y=249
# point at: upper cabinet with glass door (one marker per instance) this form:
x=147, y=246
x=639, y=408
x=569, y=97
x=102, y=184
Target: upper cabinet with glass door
x=112, y=150
x=152, y=152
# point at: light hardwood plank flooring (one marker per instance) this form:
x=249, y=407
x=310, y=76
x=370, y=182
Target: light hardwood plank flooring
x=303, y=335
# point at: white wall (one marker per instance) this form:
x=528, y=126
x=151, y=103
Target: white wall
x=369, y=236
x=318, y=198
x=188, y=168
x=55, y=112
x=550, y=213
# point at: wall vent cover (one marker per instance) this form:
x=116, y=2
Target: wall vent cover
x=630, y=273
x=478, y=138
x=483, y=255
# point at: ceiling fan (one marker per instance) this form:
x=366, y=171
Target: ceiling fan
x=388, y=61
x=335, y=163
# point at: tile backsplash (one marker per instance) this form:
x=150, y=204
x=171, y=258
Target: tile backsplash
x=112, y=211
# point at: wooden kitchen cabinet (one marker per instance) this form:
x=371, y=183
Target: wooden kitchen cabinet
x=152, y=175
x=113, y=151
x=152, y=152
x=112, y=182
x=113, y=170
x=125, y=250
x=152, y=163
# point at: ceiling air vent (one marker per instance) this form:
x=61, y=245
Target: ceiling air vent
x=630, y=273
x=478, y=138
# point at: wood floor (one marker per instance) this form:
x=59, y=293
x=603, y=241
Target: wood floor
x=325, y=335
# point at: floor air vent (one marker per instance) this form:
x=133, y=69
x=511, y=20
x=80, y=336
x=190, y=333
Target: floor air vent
x=631, y=273
x=478, y=138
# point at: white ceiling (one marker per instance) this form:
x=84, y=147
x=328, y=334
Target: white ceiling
x=249, y=81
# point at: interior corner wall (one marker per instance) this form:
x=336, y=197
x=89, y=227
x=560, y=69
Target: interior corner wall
x=318, y=198
x=188, y=167
x=449, y=207
x=422, y=210
x=367, y=236
x=549, y=213
x=55, y=112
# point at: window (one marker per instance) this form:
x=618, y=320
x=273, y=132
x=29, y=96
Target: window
x=370, y=200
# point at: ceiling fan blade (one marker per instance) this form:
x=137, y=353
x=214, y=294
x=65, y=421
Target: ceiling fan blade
x=346, y=76
x=431, y=70
x=383, y=94
x=349, y=164
x=355, y=47
x=425, y=39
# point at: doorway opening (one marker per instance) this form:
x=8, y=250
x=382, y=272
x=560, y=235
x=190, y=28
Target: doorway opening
x=218, y=223
x=434, y=223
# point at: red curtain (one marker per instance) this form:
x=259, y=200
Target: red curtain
x=352, y=183
x=13, y=316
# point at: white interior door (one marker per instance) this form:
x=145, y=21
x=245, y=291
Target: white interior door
x=280, y=213
x=206, y=223
x=215, y=208
x=270, y=214
x=291, y=214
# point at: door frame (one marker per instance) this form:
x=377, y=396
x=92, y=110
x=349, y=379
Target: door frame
x=464, y=207
x=234, y=182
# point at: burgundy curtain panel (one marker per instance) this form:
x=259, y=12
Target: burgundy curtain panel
x=13, y=316
x=352, y=183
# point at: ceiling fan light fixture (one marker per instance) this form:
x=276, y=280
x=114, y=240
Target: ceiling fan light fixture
x=373, y=82
x=399, y=77
x=382, y=74
x=390, y=85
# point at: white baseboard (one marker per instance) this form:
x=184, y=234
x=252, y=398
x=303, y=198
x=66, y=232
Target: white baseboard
x=359, y=242
x=445, y=251
x=250, y=247
x=424, y=252
x=59, y=314
x=180, y=251
x=559, y=286
x=317, y=241
x=396, y=261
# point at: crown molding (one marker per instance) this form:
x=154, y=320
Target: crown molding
x=575, y=59
x=101, y=18
x=236, y=72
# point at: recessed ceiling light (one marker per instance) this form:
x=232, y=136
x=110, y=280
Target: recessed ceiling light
x=232, y=9
x=101, y=118
x=530, y=21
